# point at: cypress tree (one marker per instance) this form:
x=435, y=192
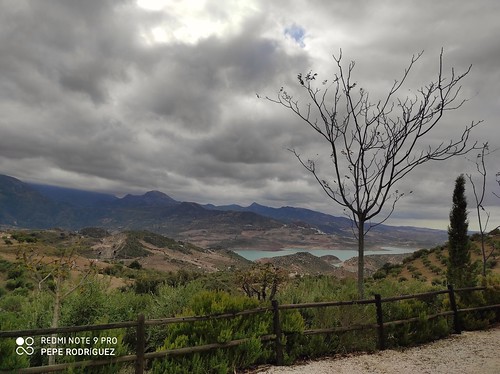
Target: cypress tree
x=460, y=272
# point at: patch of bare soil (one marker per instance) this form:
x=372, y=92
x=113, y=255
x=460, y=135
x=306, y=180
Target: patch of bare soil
x=263, y=239
x=165, y=259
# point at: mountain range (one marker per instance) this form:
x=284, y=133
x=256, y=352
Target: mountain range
x=28, y=205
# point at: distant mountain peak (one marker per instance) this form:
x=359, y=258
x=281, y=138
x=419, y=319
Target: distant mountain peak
x=39, y=206
x=154, y=194
x=149, y=198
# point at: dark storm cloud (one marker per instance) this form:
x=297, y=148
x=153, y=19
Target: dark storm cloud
x=190, y=84
x=109, y=96
x=241, y=145
x=80, y=45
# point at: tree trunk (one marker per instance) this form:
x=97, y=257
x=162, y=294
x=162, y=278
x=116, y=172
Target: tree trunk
x=483, y=250
x=361, y=258
x=55, y=316
x=481, y=231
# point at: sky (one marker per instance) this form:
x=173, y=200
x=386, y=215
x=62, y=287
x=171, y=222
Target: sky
x=131, y=96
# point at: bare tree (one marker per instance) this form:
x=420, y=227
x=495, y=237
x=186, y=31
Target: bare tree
x=374, y=145
x=479, y=190
x=497, y=175
x=57, y=272
x=262, y=281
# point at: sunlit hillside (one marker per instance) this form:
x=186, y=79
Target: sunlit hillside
x=429, y=265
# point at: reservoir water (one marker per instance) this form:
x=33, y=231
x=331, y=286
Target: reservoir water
x=342, y=254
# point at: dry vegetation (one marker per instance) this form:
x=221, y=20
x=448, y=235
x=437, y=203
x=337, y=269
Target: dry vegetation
x=111, y=253
x=117, y=257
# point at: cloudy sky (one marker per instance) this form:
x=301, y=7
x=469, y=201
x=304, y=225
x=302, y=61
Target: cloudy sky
x=130, y=96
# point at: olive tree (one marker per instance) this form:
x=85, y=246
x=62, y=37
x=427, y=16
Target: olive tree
x=261, y=281
x=373, y=145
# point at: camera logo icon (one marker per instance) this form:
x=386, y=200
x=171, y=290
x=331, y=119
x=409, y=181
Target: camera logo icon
x=25, y=346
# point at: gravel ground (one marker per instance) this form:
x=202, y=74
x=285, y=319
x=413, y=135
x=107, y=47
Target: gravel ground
x=471, y=352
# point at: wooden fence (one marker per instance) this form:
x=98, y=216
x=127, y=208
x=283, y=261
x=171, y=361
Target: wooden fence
x=276, y=335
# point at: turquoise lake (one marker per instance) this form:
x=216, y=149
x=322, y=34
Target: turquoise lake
x=342, y=254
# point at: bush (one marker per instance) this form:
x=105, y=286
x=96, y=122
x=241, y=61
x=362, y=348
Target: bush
x=474, y=320
x=417, y=332
x=379, y=274
x=147, y=284
x=24, y=237
x=133, y=248
x=12, y=284
x=85, y=306
x=221, y=331
x=135, y=265
x=15, y=272
x=13, y=316
x=10, y=360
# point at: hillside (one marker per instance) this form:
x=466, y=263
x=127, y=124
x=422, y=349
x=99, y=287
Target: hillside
x=341, y=227
x=303, y=263
x=23, y=206
x=117, y=255
x=32, y=206
x=375, y=262
x=429, y=265
x=426, y=265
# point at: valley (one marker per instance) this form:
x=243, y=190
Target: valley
x=161, y=234
x=30, y=206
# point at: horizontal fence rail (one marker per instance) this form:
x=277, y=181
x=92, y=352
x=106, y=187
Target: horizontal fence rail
x=276, y=336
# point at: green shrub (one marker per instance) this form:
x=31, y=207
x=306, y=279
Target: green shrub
x=133, y=248
x=220, y=331
x=115, y=270
x=418, y=254
x=491, y=263
x=5, y=265
x=379, y=275
x=12, y=318
x=85, y=306
x=24, y=237
x=418, y=332
x=148, y=284
x=135, y=265
x=12, y=284
x=10, y=360
x=15, y=272
x=476, y=320
x=395, y=270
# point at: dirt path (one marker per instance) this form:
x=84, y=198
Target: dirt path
x=471, y=352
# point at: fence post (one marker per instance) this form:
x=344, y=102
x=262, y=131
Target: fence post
x=456, y=321
x=380, y=322
x=141, y=342
x=277, y=332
